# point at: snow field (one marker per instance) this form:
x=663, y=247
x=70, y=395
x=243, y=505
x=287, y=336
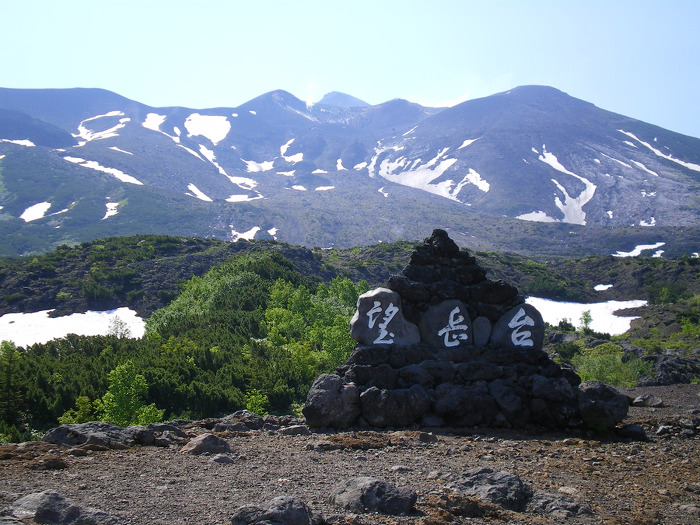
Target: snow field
x=38, y=327
x=603, y=315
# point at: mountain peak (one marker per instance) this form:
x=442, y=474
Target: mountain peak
x=336, y=98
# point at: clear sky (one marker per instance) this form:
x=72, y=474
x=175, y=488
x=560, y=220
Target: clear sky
x=640, y=58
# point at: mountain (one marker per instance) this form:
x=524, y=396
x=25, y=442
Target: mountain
x=531, y=170
x=335, y=98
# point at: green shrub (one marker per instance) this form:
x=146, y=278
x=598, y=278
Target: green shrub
x=82, y=413
x=257, y=402
x=605, y=363
x=123, y=403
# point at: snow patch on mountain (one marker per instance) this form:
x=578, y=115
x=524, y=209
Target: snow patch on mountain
x=213, y=127
x=244, y=198
x=643, y=167
x=35, y=211
x=190, y=151
x=473, y=178
x=196, y=192
x=19, y=142
x=325, y=188
x=536, y=216
x=415, y=174
x=297, y=157
x=617, y=160
x=248, y=236
x=120, y=150
x=287, y=173
x=25, y=329
x=211, y=157
x=467, y=143
x=244, y=182
x=319, y=171
x=339, y=165
x=154, y=121
x=651, y=222
x=257, y=167
x=571, y=207
x=112, y=210
x=603, y=315
x=298, y=187
x=93, y=165
x=602, y=287
x=381, y=190
x=658, y=153
x=637, y=251
x=89, y=135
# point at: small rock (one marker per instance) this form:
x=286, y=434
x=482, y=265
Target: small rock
x=51, y=508
x=366, y=494
x=223, y=459
x=500, y=488
x=557, y=507
x=635, y=432
x=647, y=400
x=664, y=430
x=295, y=430
x=206, y=443
x=283, y=510
x=251, y=420
x=427, y=437
x=48, y=463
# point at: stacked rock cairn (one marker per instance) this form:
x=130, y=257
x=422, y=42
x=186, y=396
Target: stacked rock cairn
x=443, y=346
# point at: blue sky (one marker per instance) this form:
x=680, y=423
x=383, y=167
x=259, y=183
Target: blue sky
x=640, y=58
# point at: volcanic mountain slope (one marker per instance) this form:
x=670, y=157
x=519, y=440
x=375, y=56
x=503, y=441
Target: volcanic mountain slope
x=79, y=164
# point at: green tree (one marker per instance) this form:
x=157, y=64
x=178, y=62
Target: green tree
x=11, y=398
x=586, y=319
x=257, y=402
x=82, y=413
x=123, y=403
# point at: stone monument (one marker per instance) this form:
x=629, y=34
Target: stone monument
x=442, y=345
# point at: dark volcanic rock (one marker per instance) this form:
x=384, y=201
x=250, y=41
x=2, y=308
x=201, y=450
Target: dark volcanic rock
x=500, y=488
x=53, y=509
x=99, y=433
x=283, y=510
x=331, y=402
x=601, y=405
x=366, y=494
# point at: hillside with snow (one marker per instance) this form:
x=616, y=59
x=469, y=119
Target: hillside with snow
x=531, y=170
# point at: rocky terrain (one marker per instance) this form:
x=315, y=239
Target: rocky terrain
x=550, y=477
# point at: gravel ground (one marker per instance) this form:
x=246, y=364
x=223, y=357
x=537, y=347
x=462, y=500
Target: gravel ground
x=657, y=481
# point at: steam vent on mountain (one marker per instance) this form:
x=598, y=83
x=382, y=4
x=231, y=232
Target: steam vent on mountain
x=443, y=346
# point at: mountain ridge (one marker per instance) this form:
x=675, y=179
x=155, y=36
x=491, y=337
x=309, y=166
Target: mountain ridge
x=496, y=169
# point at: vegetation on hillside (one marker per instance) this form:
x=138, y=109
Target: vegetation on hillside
x=251, y=327
x=251, y=324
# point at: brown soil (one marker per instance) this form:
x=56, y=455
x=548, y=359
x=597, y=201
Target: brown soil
x=623, y=482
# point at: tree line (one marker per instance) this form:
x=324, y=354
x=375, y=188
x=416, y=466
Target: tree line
x=251, y=332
